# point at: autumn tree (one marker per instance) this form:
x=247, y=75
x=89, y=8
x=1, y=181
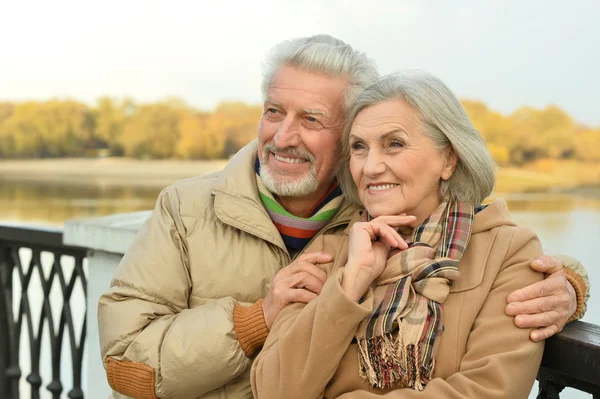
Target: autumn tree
x=587, y=145
x=544, y=133
x=153, y=131
x=6, y=140
x=48, y=129
x=201, y=136
x=110, y=116
x=239, y=122
x=497, y=130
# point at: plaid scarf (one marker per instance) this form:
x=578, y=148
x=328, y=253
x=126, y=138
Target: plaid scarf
x=398, y=341
x=295, y=231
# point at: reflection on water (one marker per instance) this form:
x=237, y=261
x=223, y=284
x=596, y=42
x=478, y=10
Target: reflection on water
x=51, y=203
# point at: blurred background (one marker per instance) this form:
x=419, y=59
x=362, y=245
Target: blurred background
x=103, y=104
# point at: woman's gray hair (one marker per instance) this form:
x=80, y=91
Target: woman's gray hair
x=444, y=120
x=325, y=55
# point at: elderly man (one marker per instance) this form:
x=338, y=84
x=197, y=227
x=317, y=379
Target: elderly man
x=221, y=255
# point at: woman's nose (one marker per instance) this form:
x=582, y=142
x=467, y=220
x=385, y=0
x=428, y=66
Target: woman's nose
x=374, y=164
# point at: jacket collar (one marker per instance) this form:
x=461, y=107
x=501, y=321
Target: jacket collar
x=238, y=204
x=494, y=215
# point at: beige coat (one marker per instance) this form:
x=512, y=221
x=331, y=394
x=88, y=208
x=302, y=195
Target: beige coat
x=310, y=352
x=166, y=324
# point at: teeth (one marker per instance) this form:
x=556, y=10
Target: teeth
x=382, y=187
x=289, y=160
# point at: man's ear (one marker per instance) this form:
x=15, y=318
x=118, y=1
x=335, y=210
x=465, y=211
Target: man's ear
x=450, y=163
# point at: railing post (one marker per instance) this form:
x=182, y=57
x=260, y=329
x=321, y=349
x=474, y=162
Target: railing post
x=549, y=389
x=4, y=343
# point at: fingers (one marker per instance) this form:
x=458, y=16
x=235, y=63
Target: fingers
x=546, y=264
x=304, y=280
x=305, y=263
x=391, y=235
x=539, y=320
x=300, y=281
x=396, y=221
x=538, y=305
x=383, y=228
x=544, y=333
x=315, y=257
x=388, y=235
x=300, y=295
x=543, y=288
x=544, y=306
x=304, y=267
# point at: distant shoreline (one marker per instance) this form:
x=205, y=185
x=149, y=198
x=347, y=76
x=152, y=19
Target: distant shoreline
x=568, y=176
x=105, y=171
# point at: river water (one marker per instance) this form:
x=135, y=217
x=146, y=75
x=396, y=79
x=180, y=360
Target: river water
x=566, y=224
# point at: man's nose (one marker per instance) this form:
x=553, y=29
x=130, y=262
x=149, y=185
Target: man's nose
x=288, y=134
x=374, y=164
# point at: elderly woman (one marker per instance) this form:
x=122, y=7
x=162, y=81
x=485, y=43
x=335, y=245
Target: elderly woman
x=415, y=300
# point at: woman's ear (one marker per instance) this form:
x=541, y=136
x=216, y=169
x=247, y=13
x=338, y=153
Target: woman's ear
x=450, y=163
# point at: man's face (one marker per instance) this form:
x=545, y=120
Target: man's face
x=299, y=132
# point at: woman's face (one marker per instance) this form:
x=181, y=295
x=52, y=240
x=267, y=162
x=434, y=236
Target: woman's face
x=395, y=166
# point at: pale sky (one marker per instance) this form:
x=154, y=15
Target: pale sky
x=506, y=53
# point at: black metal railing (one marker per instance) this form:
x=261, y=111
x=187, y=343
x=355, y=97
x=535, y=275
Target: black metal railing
x=34, y=263
x=571, y=358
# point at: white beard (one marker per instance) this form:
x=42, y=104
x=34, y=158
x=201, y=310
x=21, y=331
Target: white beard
x=300, y=187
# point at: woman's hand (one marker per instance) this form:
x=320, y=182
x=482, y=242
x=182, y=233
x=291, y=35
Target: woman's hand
x=368, y=251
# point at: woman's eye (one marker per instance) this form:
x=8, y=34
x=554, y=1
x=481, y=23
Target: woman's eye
x=356, y=146
x=271, y=110
x=396, y=144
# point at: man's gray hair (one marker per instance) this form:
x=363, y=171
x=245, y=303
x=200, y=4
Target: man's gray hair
x=322, y=54
x=443, y=119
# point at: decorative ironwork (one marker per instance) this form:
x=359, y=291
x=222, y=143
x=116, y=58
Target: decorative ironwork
x=17, y=284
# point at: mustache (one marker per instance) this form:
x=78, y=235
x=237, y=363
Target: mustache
x=295, y=152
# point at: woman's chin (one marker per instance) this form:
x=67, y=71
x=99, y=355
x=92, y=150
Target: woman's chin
x=377, y=211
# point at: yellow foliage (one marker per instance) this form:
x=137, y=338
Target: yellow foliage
x=587, y=145
x=152, y=132
x=500, y=154
x=240, y=124
x=171, y=128
x=52, y=128
x=201, y=137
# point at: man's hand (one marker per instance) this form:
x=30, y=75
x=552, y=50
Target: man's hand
x=545, y=305
x=300, y=281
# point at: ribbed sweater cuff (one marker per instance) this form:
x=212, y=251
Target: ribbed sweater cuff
x=131, y=379
x=580, y=289
x=249, y=324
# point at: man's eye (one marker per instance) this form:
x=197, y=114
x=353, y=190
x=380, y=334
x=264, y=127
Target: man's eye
x=396, y=144
x=312, y=119
x=272, y=110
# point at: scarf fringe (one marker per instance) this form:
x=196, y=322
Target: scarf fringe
x=385, y=363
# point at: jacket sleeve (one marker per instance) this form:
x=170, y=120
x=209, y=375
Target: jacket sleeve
x=306, y=344
x=500, y=360
x=153, y=345
x=578, y=277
